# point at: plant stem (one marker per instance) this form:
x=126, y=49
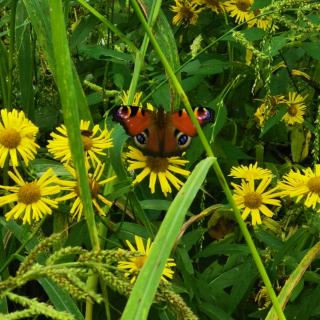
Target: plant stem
x=216, y=165
x=140, y=54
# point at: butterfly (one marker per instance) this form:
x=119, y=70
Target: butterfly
x=159, y=133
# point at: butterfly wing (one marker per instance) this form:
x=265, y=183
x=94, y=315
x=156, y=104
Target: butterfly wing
x=182, y=122
x=133, y=119
x=144, y=126
x=180, y=130
x=158, y=133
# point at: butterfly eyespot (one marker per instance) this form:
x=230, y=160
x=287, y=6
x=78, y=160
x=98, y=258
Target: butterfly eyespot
x=124, y=112
x=183, y=140
x=202, y=114
x=141, y=139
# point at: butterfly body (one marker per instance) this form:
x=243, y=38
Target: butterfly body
x=159, y=133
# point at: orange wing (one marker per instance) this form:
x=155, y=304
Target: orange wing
x=181, y=120
x=133, y=119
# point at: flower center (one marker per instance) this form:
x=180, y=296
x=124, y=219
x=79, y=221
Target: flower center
x=94, y=188
x=252, y=200
x=139, y=261
x=292, y=110
x=87, y=142
x=29, y=193
x=214, y=3
x=314, y=184
x=10, y=138
x=186, y=14
x=243, y=5
x=157, y=164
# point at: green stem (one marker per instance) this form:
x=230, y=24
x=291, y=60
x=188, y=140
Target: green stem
x=11, y=50
x=109, y=25
x=216, y=165
x=154, y=12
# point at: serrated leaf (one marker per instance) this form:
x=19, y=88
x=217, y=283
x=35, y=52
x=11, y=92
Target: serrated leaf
x=103, y=53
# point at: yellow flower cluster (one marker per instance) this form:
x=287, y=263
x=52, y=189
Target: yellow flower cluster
x=295, y=104
x=252, y=198
x=187, y=12
x=32, y=200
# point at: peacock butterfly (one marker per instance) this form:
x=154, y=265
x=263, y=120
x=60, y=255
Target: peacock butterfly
x=159, y=133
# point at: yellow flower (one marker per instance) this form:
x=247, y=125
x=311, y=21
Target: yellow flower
x=251, y=172
x=186, y=12
x=264, y=22
x=136, y=99
x=215, y=5
x=268, y=108
x=95, y=141
x=17, y=137
x=253, y=200
x=157, y=168
x=296, y=108
x=240, y=9
x=262, y=298
x=32, y=201
x=305, y=185
x=95, y=187
x=135, y=264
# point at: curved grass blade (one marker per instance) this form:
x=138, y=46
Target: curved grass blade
x=294, y=279
x=148, y=280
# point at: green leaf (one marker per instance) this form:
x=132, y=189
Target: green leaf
x=82, y=31
x=271, y=122
x=207, y=67
x=297, y=142
x=217, y=248
x=276, y=44
x=60, y=299
x=158, y=205
x=312, y=49
x=103, y=53
x=214, y=312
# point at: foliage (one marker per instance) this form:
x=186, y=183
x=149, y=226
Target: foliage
x=255, y=64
